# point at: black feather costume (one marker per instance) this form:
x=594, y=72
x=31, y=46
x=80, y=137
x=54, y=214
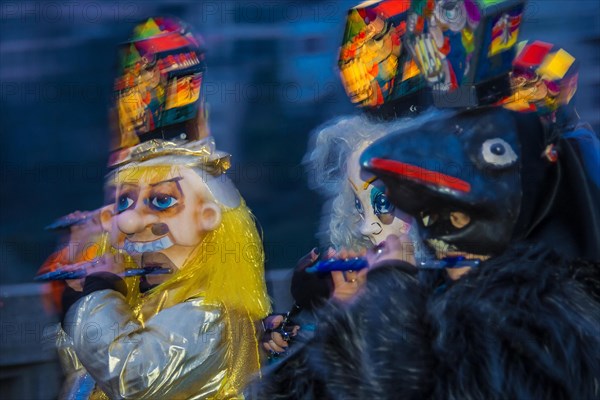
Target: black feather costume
x=525, y=325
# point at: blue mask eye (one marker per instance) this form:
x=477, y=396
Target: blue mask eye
x=162, y=202
x=380, y=202
x=358, y=206
x=124, y=203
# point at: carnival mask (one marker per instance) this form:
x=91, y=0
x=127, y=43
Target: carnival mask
x=161, y=214
x=459, y=176
x=379, y=217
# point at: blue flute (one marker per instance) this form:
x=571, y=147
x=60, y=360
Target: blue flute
x=61, y=275
x=358, y=263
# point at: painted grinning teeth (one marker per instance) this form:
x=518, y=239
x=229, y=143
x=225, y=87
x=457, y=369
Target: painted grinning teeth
x=148, y=247
x=129, y=247
x=441, y=246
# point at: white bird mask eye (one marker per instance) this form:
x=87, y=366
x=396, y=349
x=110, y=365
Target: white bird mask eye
x=498, y=153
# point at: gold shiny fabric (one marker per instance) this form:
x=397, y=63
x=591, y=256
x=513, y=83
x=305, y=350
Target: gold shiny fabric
x=185, y=351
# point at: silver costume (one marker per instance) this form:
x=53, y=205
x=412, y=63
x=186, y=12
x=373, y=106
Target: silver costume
x=181, y=352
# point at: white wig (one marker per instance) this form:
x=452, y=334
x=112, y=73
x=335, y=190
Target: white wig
x=330, y=147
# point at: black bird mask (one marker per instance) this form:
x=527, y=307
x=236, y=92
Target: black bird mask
x=477, y=180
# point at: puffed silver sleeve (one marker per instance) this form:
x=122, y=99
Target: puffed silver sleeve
x=178, y=353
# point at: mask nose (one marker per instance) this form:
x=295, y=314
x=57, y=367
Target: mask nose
x=371, y=228
x=132, y=221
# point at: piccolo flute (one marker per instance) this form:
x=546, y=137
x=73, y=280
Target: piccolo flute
x=64, y=274
x=358, y=263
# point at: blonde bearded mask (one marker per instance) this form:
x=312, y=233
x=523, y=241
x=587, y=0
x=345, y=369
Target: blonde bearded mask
x=379, y=218
x=166, y=210
x=181, y=212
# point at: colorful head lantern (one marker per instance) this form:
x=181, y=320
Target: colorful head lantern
x=459, y=50
x=158, y=91
x=374, y=65
x=544, y=78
